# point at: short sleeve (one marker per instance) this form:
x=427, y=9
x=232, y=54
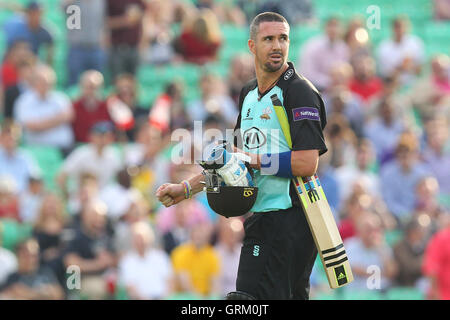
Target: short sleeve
x=306, y=114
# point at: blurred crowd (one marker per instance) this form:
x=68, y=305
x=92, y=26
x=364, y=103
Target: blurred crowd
x=99, y=232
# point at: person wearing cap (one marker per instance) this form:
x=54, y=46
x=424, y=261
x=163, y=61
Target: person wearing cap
x=97, y=157
x=30, y=29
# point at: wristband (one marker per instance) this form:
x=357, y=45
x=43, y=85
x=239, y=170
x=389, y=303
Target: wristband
x=187, y=189
x=283, y=159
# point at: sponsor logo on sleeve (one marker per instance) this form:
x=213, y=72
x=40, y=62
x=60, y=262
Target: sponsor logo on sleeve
x=305, y=113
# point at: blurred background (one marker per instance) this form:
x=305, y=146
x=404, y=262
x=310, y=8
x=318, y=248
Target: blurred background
x=91, y=91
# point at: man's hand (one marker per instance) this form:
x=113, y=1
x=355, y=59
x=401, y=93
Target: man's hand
x=255, y=161
x=169, y=194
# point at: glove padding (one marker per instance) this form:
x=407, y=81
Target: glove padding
x=234, y=172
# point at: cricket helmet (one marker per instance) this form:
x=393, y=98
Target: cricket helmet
x=229, y=182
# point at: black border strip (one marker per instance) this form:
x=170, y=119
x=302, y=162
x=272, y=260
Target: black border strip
x=334, y=256
x=336, y=262
x=333, y=249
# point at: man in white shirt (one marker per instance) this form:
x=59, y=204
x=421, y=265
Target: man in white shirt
x=321, y=53
x=403, y=54
x=45, y=114
x=97, y=157
x=145, y=271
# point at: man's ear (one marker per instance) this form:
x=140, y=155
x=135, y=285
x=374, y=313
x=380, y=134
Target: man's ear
x=251, y=45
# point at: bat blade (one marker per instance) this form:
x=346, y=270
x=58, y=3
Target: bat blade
x=324, y=231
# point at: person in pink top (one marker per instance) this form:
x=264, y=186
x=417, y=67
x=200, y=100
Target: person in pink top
x=437, y=264
x=323, y=52
x=173, y=223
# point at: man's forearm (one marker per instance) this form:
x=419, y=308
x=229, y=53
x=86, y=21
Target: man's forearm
x=197, y=183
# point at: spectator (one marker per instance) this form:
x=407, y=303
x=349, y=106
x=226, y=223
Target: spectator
x=339, y=99
x=196, y=263
x=403, y=54
x=322, y=52
x=342, y=139
x=9, y=200
x=431, y=95
x=45, y=114
x=365, y=83
x=241, y=71
x=15, y=163
x=343, y=102
x=359, y=202
x=228, y=247
x=435, y=155
x=8, y=263
x=86, y=44
x=174, y=223
x=124, y=20
x=401, y=102
x=427, y=202
x=18, y=53
x=116, y=194
x=97, y=157
x=124, y=98
x=157, y=37
x=200, y=39
x=357, y=38
x=23, y=84
x=368, y=249
x=347, y=175
x=31, y=199
x=92, y=251
x=436, y=265
x=168, y=111
x=149, y=165
x=31, y=30
x=48, y=227
x=409, y=252
x=403, y=174
x=145, y=270
x=227, y=13
x=32, y=281
x=89, y=108
x=441, y=9
x=214, y=101
x=384, y=130
x=87, y=191
x=135, y=211
x=329, y=182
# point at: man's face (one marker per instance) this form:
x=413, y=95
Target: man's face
x=34, y=18
x=333, y=29
x=271, y=46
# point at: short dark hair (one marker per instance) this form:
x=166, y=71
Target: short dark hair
x=264, y=17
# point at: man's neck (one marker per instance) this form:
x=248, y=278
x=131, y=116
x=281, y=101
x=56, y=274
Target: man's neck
x=266, y=80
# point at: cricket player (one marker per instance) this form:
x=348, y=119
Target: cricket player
x=278, y=249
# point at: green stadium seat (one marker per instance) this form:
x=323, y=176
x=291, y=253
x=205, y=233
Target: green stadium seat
x=49, y=159
x=393, y=236
x=404, y=294
x=13, y=232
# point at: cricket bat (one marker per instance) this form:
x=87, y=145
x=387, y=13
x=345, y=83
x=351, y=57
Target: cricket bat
x=319, y=216
x=324, y=231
